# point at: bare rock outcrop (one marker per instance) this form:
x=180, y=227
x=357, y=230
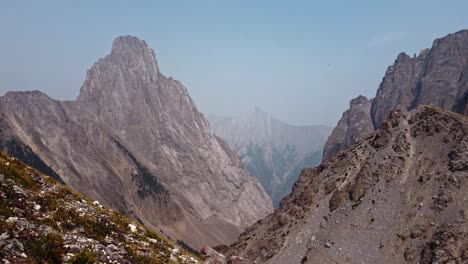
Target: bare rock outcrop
x=354, y=125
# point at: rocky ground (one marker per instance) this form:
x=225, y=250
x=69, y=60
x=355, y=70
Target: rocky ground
x=398, y=196
x=42, y=221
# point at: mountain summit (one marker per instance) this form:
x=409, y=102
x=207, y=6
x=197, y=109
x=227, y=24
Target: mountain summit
x=135, y=140
x=437, y=77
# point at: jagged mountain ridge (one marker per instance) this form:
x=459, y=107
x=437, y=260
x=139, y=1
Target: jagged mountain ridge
x=398, y=196
x=437, y=77
x=134, y=140
x=273, y=151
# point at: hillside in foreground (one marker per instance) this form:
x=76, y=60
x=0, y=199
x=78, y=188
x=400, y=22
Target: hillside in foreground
x=398, y=196
x=42, y=221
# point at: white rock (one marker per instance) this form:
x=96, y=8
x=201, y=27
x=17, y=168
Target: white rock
x=4, y=236
x=175, y=250
x=133, y=228
x=12, y=219
x=37, y=207
x=173, y=258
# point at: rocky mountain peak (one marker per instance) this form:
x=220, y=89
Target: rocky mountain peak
x=132, y=47
x=356, y=119
x=402, y=56
x=127, y=70
x=126, y=43
x=437, y=77
x=135, y=140
x=360, y=99
x=461, y=35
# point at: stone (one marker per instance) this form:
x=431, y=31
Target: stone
x=132, y=227
x=12, y=219
x=211, y=256
x=4, y=236
x=235, y=260
x=18, y=190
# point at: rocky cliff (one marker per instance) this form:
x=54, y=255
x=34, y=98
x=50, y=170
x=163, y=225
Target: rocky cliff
x=398, y=196
x=135, y=141
x=273, y=151
x=437, y=77
x=354, y=125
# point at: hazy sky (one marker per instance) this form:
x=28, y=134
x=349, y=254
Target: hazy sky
x=302, y=61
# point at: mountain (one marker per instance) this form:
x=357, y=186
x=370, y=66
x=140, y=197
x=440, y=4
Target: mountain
x=398, y=196
x=354, y=125
x=273, y=151
x=135, y=141
x=45, y=222
x=437, y=77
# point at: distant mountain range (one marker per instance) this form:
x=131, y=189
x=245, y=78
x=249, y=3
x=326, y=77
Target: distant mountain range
x=273, y=151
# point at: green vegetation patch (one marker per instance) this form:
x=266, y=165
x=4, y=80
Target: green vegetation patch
x=84, y=257
x=46, y=248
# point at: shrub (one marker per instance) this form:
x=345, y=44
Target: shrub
x=46, y=248
x=85, y=257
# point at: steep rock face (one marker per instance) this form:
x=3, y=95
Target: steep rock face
x=398, y=196
x=273, y=151
x=354, y=125
x=437, y=77
x=135, y=140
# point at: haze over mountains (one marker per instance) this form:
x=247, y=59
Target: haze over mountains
x=392, y=186
x=135, y=141
x=273, y=151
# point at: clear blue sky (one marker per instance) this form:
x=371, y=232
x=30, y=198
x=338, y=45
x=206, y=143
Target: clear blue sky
x=302, y=61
